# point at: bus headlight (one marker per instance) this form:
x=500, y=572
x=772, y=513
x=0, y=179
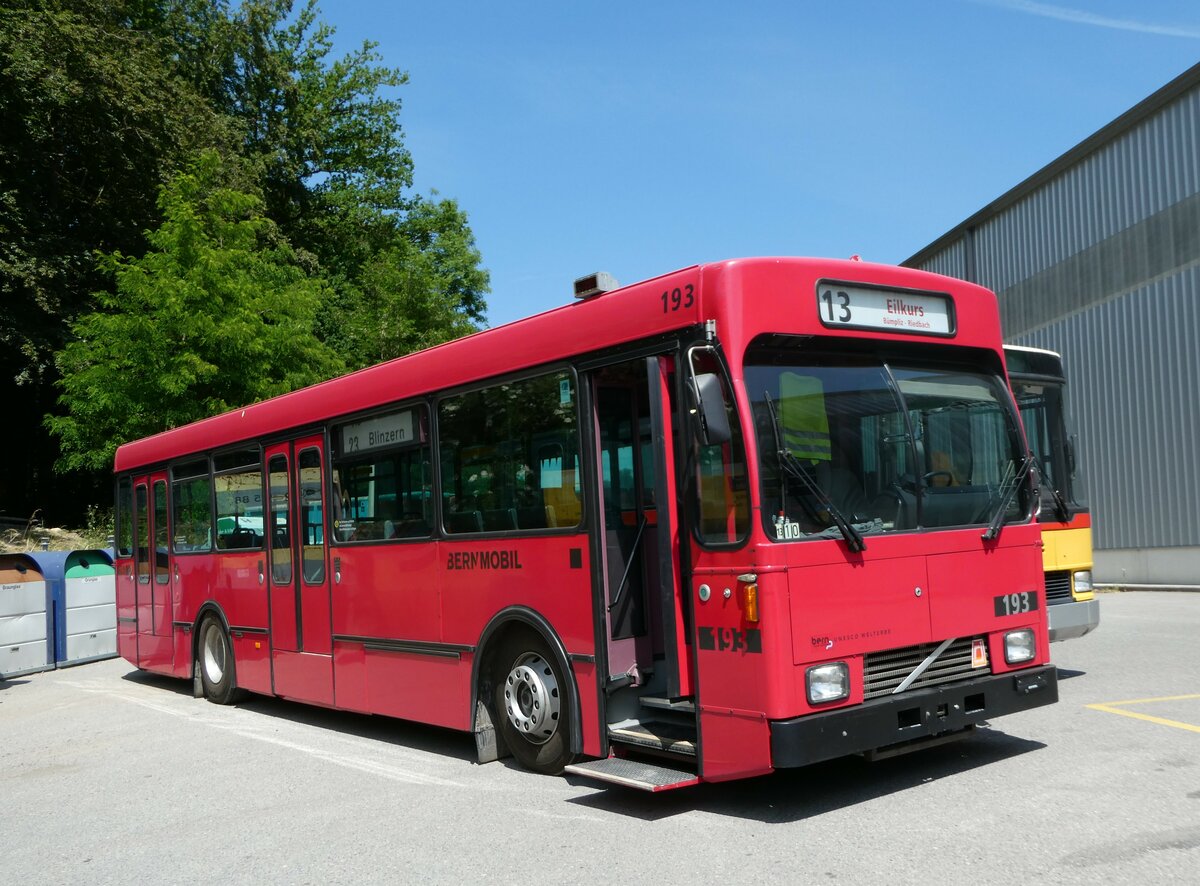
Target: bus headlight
x=1082, y=582
x=1019, y=646
x=827, y=682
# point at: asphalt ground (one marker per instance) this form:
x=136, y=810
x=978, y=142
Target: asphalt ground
x=108, y=775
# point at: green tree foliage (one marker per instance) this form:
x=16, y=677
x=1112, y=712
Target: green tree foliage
x=102, y=102
x=217, y=314
x=419, y=292
x=325, y=142
x=92, y=120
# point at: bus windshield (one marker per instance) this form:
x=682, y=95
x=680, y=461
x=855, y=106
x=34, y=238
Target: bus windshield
x=1043, y=412
x=880, y=445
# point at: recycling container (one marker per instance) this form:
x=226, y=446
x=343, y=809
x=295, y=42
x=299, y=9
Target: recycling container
x=85, y=623
x=26, y=614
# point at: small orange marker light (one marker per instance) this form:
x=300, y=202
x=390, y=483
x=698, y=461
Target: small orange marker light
x=750, y=601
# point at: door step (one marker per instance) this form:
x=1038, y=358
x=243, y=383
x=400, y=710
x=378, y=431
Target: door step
x=634, y=774
x=655, y=735
x=683, y=704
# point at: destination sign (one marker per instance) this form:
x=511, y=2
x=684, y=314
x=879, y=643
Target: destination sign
x=379, y=432
x=855, y=307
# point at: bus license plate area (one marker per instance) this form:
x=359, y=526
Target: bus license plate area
x=1015, y=604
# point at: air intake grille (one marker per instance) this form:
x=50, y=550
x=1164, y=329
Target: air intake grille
x=1058, y=587
x=884, y=671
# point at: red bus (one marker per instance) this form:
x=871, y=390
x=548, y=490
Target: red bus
x=747, y=515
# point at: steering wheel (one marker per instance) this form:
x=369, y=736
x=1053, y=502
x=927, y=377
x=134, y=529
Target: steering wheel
x=928, y=479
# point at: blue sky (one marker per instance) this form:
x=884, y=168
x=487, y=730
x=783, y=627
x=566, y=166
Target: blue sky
x=638, y=138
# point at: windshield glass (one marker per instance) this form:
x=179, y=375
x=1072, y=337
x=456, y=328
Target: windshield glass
x=884, y=445
x=1043, y=411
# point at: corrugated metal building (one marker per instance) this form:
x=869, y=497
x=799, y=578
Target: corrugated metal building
x=1097, y=256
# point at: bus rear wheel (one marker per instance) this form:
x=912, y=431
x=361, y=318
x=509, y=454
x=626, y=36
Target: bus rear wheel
x=531, y=705
x=217, y=672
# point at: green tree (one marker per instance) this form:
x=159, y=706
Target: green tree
x=217, y=314
x=325, y=144
x=412, y=295
x=92, y=120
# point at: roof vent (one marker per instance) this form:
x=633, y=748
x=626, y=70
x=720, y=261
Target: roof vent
x=595, y=284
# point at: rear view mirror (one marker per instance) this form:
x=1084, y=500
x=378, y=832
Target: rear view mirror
x=709, y=407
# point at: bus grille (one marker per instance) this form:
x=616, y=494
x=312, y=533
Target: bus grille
x=884, y=671
x=1058, y=587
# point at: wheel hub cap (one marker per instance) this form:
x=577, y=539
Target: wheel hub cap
x=214, y=655
x=531, y=698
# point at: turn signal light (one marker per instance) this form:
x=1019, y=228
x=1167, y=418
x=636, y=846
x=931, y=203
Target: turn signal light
x=750, y=601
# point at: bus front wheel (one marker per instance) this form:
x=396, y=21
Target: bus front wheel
x=217, y=673
x=531, y=705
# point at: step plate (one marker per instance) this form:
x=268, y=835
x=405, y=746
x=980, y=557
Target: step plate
x=672, y=737
x=634, y=774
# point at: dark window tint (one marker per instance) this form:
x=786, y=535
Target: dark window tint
x=143, y=534
x=278, y=514
x=383, y=479
x=510, y=457
x=191, y=507
x=124, y=533
x=161, y=575
x=239, y=510
x=312, y=525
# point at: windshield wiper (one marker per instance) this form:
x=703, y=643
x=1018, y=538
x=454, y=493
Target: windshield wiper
x=1060, y=506
x=791, y=465
x=993, y=529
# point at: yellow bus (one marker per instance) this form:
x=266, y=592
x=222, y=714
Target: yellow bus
x=1038, y=384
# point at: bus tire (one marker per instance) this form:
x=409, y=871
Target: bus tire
x=532, y=704
x=218, y=675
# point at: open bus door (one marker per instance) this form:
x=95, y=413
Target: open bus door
x=300, y=579
x=648, y=683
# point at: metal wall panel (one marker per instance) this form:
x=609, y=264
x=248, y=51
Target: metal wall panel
x=1140, y=173
x=1133, y=375
x=951, y=261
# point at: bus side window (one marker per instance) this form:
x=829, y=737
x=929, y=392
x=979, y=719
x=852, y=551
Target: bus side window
x=124, y=534
x=382, y=491
x=510, y=457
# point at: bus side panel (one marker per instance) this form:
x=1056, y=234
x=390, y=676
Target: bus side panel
x=419, y=686
x=252, y=657
x=589, y=705
x=550, y=575
x=350, y=676
x=387, y=592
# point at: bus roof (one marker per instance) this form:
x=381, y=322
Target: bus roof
x=1038, y=362
x=628, y=313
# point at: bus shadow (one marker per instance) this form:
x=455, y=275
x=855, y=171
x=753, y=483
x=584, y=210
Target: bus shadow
x=448, y=743
x=792, y=795
x=1065, y=674
x=159, y=681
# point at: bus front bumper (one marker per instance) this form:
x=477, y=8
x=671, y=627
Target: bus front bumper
x=1070, y=620
x=921, y=714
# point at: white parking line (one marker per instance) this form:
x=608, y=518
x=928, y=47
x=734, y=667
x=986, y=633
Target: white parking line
x=359, y=762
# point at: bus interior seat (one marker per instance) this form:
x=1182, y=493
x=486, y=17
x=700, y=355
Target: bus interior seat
x=536, y=517
x=499, y=520
x=464, y=521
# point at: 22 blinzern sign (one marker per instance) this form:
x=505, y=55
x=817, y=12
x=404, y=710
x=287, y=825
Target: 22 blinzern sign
x=886, y=310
